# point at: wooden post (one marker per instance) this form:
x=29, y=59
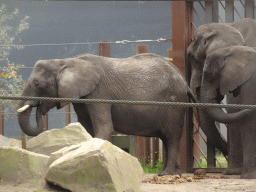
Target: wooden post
x=67, y=114
x=147, y=150
x=142, y=143
x=1, y=115
x=182, y=32
x=155, y=147
x=45, y=120
x=23, y=142
x=104, y=49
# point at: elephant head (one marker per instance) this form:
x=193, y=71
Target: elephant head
x=61, y=78
x=208, y=38
x=226, y=71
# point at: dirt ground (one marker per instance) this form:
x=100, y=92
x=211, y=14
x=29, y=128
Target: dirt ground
x=210, y=183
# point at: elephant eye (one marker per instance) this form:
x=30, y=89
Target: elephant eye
x=36, y=83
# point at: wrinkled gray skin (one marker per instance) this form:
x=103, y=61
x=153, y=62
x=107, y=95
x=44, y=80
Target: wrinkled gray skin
x=229, y=71
x=144, y=77
x=209, y=38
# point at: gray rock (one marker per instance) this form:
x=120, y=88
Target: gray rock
x=19, y=165
x=55, y=139
x=4, y=141
x=95, y=165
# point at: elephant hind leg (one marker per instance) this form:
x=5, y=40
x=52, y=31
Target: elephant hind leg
x=164, y=155
x=172, y=163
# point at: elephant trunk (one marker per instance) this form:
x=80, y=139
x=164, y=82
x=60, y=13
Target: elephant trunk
x=206, y=123
x=210, y=95
x=211, y=131
x=24, y=122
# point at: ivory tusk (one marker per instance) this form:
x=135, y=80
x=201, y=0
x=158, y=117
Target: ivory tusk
x=23, y=108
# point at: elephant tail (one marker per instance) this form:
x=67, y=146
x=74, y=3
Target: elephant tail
x=193, y=98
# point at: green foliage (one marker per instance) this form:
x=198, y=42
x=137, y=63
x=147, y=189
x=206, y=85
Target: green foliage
x=220, y=157
x=149, y=168
x=11, y=25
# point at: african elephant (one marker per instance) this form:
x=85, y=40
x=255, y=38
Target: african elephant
x=208, y=38
x=232, y=70
x=144, y=77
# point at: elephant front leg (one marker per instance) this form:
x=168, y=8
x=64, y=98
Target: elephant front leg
x=235, y=152
x=101, y=120
x=249, y=150
x=235, y=148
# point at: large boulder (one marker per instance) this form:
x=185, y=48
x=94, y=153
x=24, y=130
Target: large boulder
x=95, y=165
x=19, y=165
x=4, y=141
x=55, y=139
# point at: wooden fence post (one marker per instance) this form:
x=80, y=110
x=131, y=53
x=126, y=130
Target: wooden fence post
x=23, y=142
x=155, y=150
x=1, y=115
x=143, y=143
x=104, y=49
x=67, y=114
x=182, y=31
x=45, y=120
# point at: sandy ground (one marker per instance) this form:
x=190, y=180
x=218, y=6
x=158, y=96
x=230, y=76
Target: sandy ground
x=206, y=185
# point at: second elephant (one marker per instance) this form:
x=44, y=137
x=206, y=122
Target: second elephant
x=232, y=71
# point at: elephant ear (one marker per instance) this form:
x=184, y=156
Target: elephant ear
x=208, y=37
x=77, y=78
x=230, y=67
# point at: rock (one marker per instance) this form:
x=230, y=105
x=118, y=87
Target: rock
x=95, y=165
x=4, y=141
x=19, y=165
x=55, y=139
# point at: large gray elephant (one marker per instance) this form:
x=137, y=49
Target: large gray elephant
x=144, y=77
x=209, y=38
x=232, y=70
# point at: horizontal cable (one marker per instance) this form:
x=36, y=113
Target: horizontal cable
x=127, y=102
x=107, y=42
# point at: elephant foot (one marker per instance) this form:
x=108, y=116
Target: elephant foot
x=250, y=175
x=233, y=171
x=169, y=171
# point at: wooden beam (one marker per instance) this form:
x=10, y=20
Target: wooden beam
x=182, y=33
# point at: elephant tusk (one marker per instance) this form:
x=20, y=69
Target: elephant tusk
x=23, y=108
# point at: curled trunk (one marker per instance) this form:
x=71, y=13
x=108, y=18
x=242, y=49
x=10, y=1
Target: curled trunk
x=24, y=122
x=211, y=95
